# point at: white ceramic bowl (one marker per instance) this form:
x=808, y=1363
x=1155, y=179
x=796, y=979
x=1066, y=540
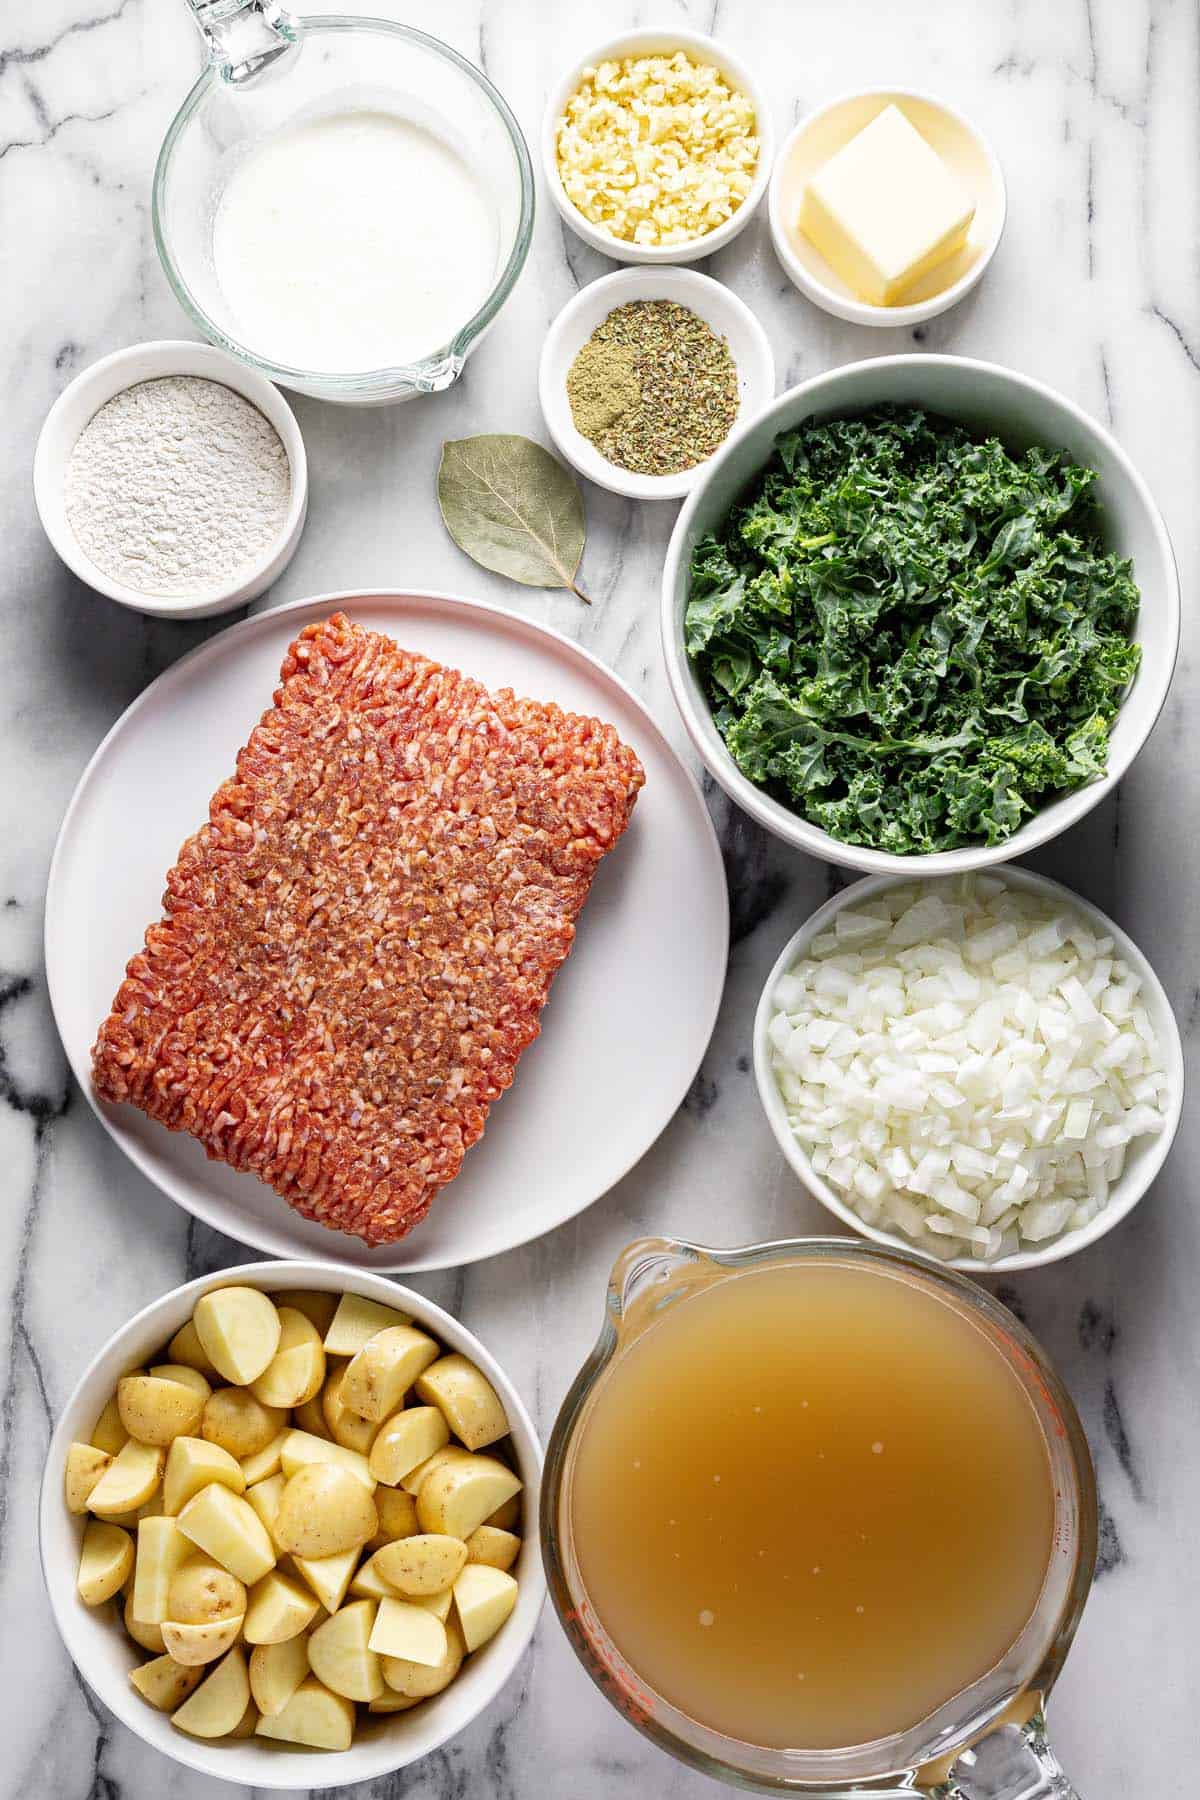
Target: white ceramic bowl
x=79, y=403
x=728, y=316
x=819, y=136
x=1146, y=1155
x=651, y=41
x=1019, y=410
x=104, y=1655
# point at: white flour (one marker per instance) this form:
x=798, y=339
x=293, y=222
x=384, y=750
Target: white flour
x=177, y=485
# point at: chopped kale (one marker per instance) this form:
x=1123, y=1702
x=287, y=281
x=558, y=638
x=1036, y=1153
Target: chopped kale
x=910, y=636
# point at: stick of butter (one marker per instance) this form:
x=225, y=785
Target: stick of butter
x=885, y=209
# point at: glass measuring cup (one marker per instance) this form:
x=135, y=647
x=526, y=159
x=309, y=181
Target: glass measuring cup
x=268, y=70
x=986, y=1742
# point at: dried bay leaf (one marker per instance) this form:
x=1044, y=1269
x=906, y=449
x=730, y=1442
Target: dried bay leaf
x=510, y=506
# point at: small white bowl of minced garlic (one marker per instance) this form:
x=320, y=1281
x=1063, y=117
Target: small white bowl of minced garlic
x=704, y=157
x=886, y=207
x=645, y=374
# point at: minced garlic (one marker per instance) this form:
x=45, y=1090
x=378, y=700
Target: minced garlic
x=657, y=149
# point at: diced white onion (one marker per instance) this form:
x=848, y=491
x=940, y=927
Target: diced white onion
x=968, y=1063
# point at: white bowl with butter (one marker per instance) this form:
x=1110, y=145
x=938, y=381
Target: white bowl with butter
x=968, y=165
x=657, y=41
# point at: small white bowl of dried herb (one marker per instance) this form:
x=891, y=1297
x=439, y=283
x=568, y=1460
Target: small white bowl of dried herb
x=645, y=374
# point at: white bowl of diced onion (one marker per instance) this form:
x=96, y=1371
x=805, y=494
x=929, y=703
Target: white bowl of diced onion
x=989, y=1051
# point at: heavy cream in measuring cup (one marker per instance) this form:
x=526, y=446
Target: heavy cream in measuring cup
x=353, y=241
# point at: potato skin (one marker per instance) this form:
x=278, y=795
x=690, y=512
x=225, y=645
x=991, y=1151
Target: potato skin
x=426, y=1563
x=323, y=1510
x=237, y=1421
x=201, y=1592
x=155, y=1411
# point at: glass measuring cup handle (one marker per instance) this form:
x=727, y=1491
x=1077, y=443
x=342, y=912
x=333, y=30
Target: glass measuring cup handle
x=1013, y=1762
x=243, y=37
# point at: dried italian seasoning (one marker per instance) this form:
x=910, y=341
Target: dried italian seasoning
x=654, y=388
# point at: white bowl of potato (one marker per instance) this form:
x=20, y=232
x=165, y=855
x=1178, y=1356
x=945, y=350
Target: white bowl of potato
x=265, y=1582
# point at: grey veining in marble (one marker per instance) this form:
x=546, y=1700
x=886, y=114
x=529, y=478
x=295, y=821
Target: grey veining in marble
x=1093, y=108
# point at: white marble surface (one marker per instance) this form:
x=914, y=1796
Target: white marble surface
x=1092, y=105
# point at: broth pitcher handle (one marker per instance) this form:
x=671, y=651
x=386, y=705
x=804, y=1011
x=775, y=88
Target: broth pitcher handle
x=1013, y=1762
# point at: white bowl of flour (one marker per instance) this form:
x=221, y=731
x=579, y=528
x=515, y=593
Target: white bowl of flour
x=172, y=479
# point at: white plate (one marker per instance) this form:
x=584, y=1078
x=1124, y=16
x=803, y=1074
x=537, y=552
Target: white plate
x=630, y=1014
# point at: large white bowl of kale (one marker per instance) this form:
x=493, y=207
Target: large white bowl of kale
x=922, y=609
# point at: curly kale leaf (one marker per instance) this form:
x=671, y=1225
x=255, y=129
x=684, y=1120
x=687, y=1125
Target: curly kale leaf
x=910, y=635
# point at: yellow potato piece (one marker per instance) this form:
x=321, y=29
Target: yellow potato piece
x=356, y=1321
x=460, y=1495
x=347, y=1428
x=264, y=1497
x=239, y=1329
x=157, y=1412
x=472, y=1406
x=494, y=1546
x=185, y=1376
x=130, y=1480
x=438, y=1604
x=313, y=1716
x=192, y=1463
x=339, y=1653
x=392, y=1703
x=397, y=1516
x=415, y=1479
x=310, y=1419
x=416, y=1680
x=279, y=1609
x=246, y=1724
x=105, y=1562
x=149, y=1637
x=317, y=1306
x=329, y=1577
x=324, y=1509
x=161, y=1548
x=369, y=1584
x=411, y=1633
x=276, y=1671
x=506, y=1517
x=238, y=1421
x=219, y=1704
x=85, y=1466
x=382, y=1372
x=297, y=1369
x=265, y=1462
x=420, y=1565
x=300, y=1449
x=231, y=1531
x=404, y=1441
x=201, y=1592
x=483, y=1599
x=194, y=1645
x=108, y=1433
x=164, y=1682
x=185, y=1347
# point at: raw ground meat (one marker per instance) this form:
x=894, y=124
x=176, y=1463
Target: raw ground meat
x=357, y=946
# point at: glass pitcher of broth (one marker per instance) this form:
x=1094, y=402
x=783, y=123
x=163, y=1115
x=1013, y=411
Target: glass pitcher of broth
x=819, y=1516
x=343, y=203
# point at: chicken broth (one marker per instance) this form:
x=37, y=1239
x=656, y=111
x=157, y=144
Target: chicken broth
x=810, y=1504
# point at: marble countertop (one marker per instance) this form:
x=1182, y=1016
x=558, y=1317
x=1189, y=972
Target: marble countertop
x=1092, y=107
